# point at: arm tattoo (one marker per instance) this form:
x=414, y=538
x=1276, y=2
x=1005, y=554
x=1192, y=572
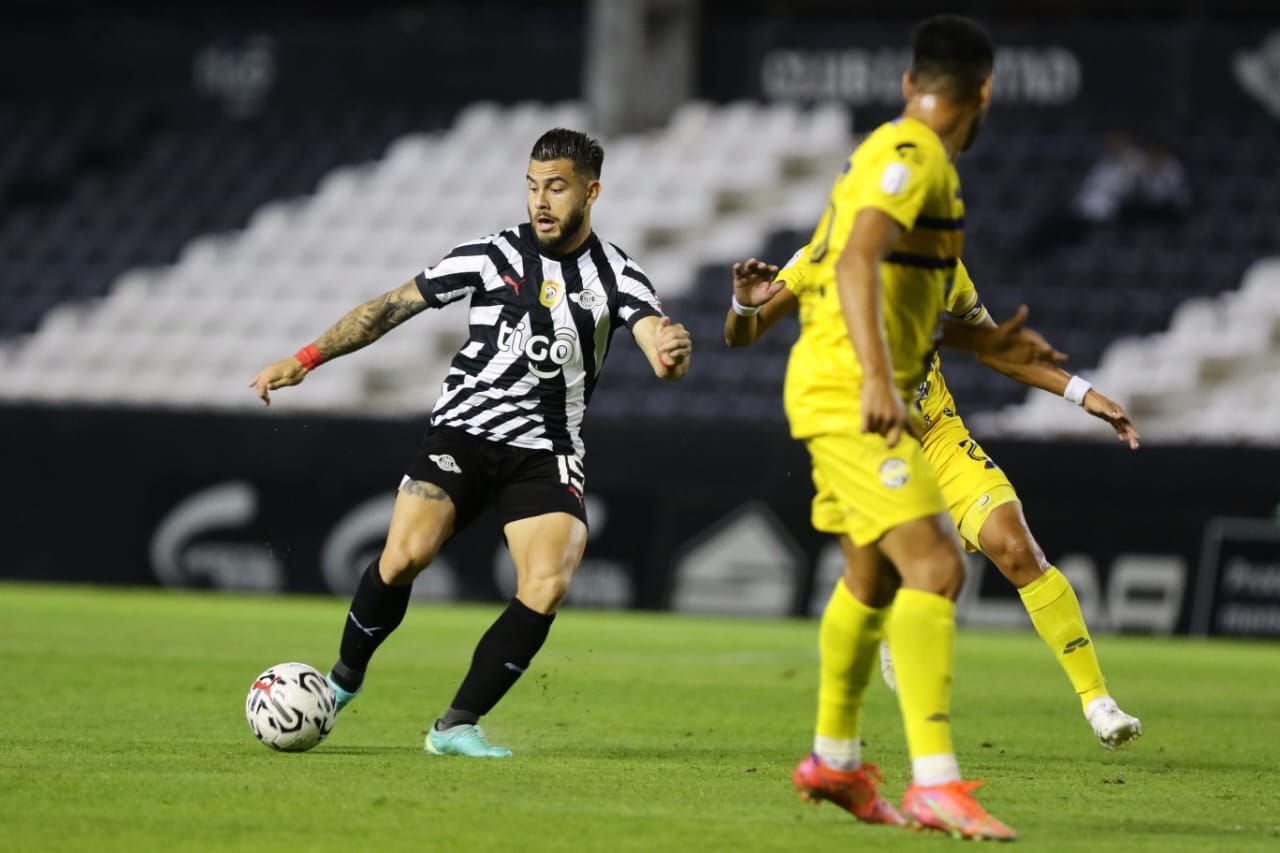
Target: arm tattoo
x=366, y=323
x=423, y=489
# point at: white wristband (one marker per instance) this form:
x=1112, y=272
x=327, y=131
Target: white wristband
x=1077, y=388
x=743, y=310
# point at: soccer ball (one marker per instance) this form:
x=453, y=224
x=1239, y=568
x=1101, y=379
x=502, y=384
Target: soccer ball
x=291, y=707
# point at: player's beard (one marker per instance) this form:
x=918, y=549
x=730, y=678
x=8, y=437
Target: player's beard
x=568, y=230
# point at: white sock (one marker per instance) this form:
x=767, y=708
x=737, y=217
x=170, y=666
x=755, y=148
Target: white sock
x=838, y=753
x=930, y=770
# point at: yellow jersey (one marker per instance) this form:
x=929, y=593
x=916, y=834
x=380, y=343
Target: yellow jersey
x=932, y=398
x=964, y=305
x=903, y=170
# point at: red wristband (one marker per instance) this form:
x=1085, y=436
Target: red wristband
x=310, y=357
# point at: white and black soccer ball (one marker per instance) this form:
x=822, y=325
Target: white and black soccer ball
x=291, y=707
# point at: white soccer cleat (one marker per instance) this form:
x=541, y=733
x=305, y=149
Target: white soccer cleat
x=1113, y=727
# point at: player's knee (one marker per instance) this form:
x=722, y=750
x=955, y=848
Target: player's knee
x=543, y=592
x=1018, y=558
x=950, y=577
x=401, y=562
x=941, y=573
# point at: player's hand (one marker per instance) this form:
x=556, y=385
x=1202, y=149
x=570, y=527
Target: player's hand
x=753, y=282
x=672, y=342
x=279, y=374
x=1103, y=407
x=883, y=411
x=1013, y=342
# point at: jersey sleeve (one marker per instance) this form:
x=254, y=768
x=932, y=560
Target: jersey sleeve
x=458, y=274
x=636, y=298
x=963, y=302
x=897, y=181
x=796, y=270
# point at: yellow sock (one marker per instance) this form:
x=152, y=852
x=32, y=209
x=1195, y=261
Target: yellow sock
x=1055, y=611
x=848, y=639
x=922, y=640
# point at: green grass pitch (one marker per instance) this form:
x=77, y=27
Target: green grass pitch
x=122, y=728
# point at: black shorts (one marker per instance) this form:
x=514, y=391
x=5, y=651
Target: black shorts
x=523, y=482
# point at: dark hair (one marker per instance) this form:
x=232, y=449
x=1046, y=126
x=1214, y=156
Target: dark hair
x=953, y=53
x=562, y=144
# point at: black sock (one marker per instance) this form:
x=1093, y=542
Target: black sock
x=376, y=611
x=502, y=655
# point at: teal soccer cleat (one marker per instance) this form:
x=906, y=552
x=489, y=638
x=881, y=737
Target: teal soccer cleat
x=344, y=696
x=464, y=739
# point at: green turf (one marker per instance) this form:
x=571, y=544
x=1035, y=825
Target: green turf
x=122, y=728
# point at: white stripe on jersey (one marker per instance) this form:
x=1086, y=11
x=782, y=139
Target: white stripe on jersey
x=523, y=377
x=599, y=304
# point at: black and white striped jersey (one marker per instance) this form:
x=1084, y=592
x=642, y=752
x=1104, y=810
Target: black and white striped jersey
x=540, y=330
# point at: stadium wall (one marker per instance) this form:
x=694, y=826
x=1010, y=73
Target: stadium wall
x=242, y=62
x=1165, y=540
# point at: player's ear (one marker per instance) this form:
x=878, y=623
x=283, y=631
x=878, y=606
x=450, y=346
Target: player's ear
x=908, y=85
x=593, y=192
x=984, y=93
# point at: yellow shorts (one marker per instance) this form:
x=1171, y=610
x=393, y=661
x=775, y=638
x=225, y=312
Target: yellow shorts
x=865, y=488
x=971, y=482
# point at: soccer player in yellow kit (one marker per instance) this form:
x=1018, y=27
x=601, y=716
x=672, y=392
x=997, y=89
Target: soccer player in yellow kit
x=983, y=504
x=883, y=260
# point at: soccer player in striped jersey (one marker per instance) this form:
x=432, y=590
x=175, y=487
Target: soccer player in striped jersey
x=882, y=258
x=546, y=297
x=982, y=502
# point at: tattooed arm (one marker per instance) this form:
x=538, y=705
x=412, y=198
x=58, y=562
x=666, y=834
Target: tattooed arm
x=360, y=327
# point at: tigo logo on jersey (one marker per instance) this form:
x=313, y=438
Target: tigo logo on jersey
x=587, y=299
x=549, y=293
x=894, y=473
x=539, y=349
x=445, y=462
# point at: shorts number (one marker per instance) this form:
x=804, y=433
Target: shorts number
x=571, y=471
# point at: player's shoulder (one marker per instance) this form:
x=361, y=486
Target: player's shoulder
x=614, y=252
x=907, y=139
x=621, y=262
x=507, y=239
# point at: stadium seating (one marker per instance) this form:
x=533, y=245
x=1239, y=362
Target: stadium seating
x=1211, y=376
x=162, y=266
x=234, y=300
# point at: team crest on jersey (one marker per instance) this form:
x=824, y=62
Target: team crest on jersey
x=894, y=473
x=445, y=462
x=549, y=293
x=586, y=299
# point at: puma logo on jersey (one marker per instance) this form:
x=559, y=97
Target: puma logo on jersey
x=515, y=284
x=445, y=462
